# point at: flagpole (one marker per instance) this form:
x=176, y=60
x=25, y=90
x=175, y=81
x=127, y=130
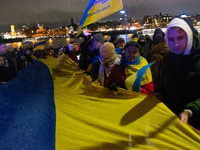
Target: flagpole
x=126, y=24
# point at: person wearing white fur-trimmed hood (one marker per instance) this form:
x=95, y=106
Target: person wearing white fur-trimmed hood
x=181, y=72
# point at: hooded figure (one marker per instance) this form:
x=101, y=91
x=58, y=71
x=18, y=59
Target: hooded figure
x=145, y=47
x=158, y=36
x=177, y=22
x=181, y=72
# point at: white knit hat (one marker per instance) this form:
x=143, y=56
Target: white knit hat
x=107, y=50
x=71, y=47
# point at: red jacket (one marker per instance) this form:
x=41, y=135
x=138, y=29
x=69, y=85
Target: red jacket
x=117, y=76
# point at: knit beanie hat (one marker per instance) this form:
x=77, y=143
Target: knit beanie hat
x=107, y=50
x=142, y=37
x=98, y=37
x=71, y=47
x=132, y=44
x=113, y=38
x=177, y=22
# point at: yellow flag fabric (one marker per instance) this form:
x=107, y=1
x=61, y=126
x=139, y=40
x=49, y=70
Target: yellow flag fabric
x=90, y=117
x=131, y=73
x=102, y=9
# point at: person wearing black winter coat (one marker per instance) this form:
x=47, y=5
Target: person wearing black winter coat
x=4, y=73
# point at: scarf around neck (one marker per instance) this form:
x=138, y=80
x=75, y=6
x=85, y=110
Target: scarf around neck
x=124, y=61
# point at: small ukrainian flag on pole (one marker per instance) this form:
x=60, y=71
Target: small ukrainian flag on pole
x=26, y=43
x=39, y=46
x=98, y=9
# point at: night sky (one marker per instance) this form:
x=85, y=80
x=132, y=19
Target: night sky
x=58, y=12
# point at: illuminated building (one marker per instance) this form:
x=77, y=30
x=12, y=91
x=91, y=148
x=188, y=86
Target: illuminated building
x=13, y=33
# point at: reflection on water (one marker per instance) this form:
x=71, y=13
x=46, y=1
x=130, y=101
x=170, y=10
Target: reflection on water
x=57, y=42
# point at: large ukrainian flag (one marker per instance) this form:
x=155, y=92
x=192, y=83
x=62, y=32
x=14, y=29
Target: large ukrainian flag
x=52, y=105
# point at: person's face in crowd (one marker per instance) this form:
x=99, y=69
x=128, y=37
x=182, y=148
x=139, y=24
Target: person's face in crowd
x=91, y=48
x=28, y=52
x=177, y=40
x=121, y=44
x=131, y=53
x=97, y=44
x=1, y=61
x=103, y=59
x=3, y=48
x=77, y=47
x=22, y=57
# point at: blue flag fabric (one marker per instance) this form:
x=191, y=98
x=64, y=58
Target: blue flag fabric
x=137, y=84
x=98, y=9
x=25, y=43
x=91, y=3
x=27, y=110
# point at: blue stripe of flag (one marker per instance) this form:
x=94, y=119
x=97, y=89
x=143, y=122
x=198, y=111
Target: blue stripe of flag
x=27, y=110
x=137, y=84
x=41, y=43
x=91, y=3
x=26, y=42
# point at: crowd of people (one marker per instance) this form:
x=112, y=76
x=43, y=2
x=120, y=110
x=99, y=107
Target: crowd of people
x=173, y=76
x=12, y=62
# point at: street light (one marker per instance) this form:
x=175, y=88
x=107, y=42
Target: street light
x=122, y=12
x=124, y=21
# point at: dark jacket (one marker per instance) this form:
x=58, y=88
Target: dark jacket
x=4, y=74
x=145, y=50
x=157, y=54
x=181, y=82
x=10, y=63
x=21, y=64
